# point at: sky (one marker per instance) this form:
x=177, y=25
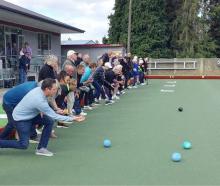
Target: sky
x=88, y=15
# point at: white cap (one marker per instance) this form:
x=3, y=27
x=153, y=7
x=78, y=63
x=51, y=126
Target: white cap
x=70, y=52
x=108, y=65
x=141, y=61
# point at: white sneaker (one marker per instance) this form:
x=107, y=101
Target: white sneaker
x=134, y=86
x=87, y=108
x=115, y=97
x=143, y=83
x=38, y=131
x=34, y=141
x=83, y=113
x=44, y=152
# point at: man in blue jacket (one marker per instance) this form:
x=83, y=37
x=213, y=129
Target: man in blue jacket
x=10, y=99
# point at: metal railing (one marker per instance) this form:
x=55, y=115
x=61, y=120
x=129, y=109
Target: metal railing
x=10, y=65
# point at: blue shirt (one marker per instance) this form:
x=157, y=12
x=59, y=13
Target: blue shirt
x=32, y=104
x=135, y=69
x=86, y=75
x=14, y=96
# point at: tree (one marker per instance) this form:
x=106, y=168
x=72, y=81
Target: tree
x=118, y=23
x=149, y=27
x=185, y=27
x=171, y=8
x=168, y=28
x=214, y=18
x=105, y=40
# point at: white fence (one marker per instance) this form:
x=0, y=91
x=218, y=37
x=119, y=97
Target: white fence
x=172, y=64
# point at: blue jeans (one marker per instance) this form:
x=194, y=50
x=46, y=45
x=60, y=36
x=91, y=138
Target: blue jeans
x=77, y=106
x=24, y=129
x=11, y=123
x=97, y=89
x=108, y=92
x=22, y=75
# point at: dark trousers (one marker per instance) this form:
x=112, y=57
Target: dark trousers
x=10, y=126
x=126, y=80
x=97, y=89
x=77, y=106
x=24, y=130
x=141, y=77
x=89, y=98
x=108, y=91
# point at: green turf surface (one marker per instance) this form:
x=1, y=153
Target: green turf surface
x=145, y=128
x=2, y=121
x=1, y=110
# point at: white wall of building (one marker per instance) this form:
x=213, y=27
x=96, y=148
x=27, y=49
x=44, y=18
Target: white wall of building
x=94, y=53
x=55, y=45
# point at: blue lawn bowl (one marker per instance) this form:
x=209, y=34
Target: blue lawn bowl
x=176, y=157
x=107, y=143
x=187, y=145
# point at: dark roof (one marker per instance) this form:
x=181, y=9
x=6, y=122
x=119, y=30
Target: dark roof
x=25, y=12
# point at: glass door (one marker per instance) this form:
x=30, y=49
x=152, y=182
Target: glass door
x=8, y=50
x=20, y=42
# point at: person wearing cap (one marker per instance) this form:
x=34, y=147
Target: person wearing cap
x=71, y=60
x=110, y=78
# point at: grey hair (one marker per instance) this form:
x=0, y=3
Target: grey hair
x=117, y=68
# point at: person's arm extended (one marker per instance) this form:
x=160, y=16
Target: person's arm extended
x=44, y=107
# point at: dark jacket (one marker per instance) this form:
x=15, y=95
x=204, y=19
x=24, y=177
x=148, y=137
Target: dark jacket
x=24, y=63
x=110, y=76
x=125, y=67
x=130, y=64
x=99, y=75
x=46, y=72
x=60, y=98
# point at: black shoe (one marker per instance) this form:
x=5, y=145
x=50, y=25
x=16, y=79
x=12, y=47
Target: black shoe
x=62, y=125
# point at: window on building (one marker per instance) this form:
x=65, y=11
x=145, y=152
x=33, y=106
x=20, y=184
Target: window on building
x=2, y=41
x=44, y=43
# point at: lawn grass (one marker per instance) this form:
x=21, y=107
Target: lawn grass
x=2, y=121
